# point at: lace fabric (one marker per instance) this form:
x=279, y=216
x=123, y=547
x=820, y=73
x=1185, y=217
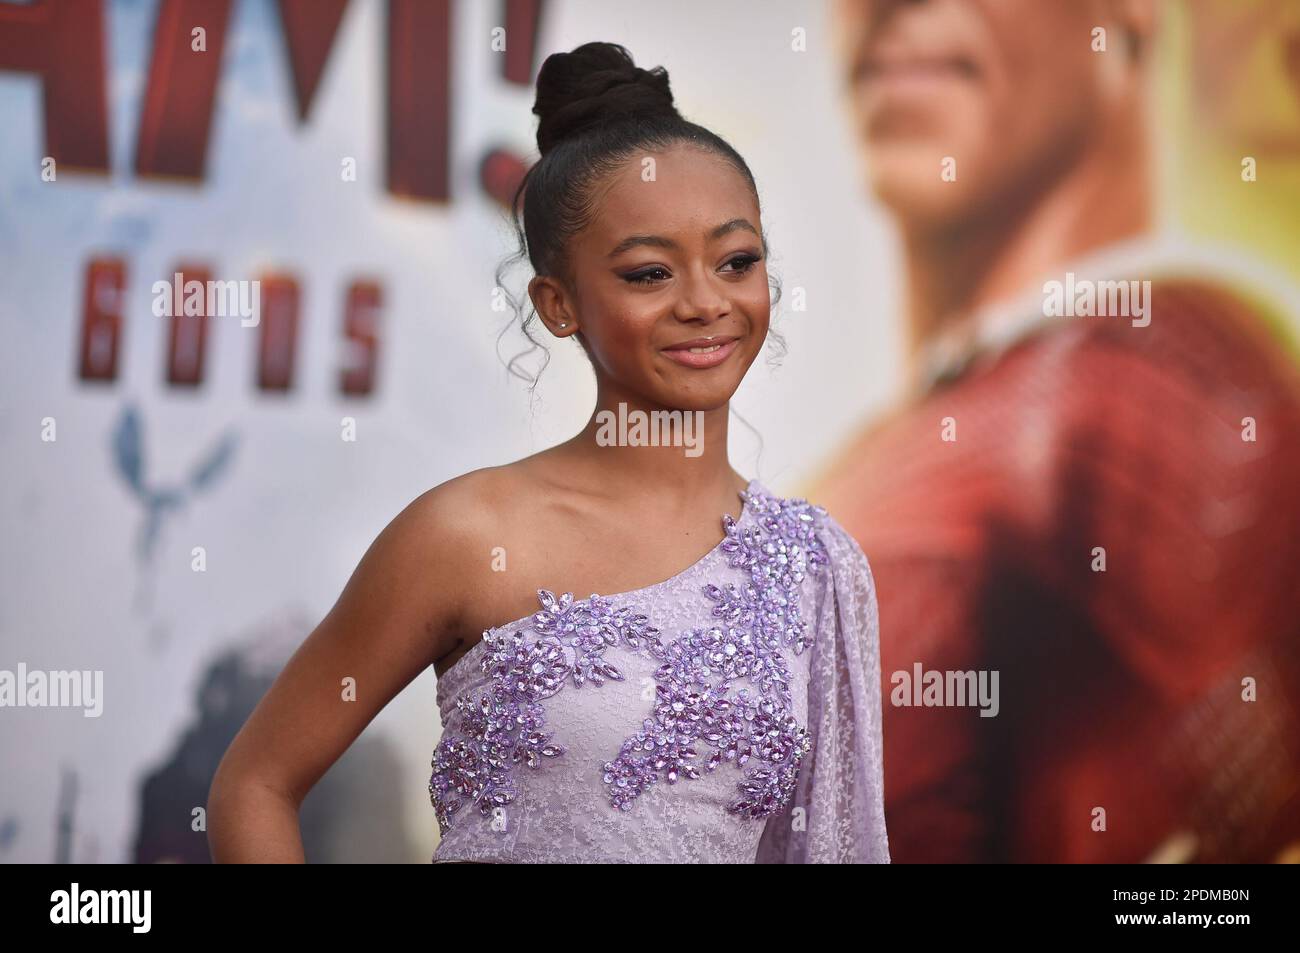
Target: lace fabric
x=729, y=714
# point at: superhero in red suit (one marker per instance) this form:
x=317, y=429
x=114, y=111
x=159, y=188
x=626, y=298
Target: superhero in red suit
x=1100, y=508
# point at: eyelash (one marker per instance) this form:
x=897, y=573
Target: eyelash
x=643, y=278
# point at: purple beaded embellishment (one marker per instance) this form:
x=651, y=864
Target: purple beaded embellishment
x=693, y=704
x=506, y=725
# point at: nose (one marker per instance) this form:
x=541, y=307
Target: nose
x=702, y=298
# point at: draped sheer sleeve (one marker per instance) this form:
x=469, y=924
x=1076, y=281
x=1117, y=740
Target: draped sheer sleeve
x=837, y=814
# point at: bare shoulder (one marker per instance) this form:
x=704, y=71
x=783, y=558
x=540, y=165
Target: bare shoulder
x=459, y=516
x=423, y=570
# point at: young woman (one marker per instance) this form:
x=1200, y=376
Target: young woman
x=728, y=711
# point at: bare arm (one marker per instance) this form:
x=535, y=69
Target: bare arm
x=397, y=614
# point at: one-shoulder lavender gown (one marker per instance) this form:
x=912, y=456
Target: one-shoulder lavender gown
x=730, y=714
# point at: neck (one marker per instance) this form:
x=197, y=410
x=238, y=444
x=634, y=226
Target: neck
x=956, y=270
x=633, y=448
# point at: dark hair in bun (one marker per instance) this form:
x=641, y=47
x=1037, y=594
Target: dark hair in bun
x=592, y=85
x=595, y=109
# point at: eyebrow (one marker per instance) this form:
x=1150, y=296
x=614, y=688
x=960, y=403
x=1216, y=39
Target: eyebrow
x=658, y=241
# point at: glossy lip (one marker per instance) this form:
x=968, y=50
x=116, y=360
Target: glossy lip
x=679, y=352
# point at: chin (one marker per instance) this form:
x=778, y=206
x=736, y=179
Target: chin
x=906, y=180
x=706, y=398
x=685, y=388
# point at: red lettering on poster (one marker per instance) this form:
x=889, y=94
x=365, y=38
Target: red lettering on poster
x=188, y=333
x=176, y=116
x=278, y=340
x=63, y=42
x=309, y=30
x=523, y=19
x=102, y=309
x=360, y=338
x=419, y=98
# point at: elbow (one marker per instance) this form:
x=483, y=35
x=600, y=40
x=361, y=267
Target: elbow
x=250, y=820
x=220, y=809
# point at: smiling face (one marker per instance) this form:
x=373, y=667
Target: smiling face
x=1010, y=89
x=667, y=284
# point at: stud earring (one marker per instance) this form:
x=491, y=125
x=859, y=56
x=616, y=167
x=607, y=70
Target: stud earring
x=563, y=324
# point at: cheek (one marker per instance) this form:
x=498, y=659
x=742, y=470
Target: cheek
x=618, y=329
x=1035, y=103
x=1044, y=64
x=756, y=302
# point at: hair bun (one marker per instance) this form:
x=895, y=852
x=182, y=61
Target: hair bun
x=595, y=83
